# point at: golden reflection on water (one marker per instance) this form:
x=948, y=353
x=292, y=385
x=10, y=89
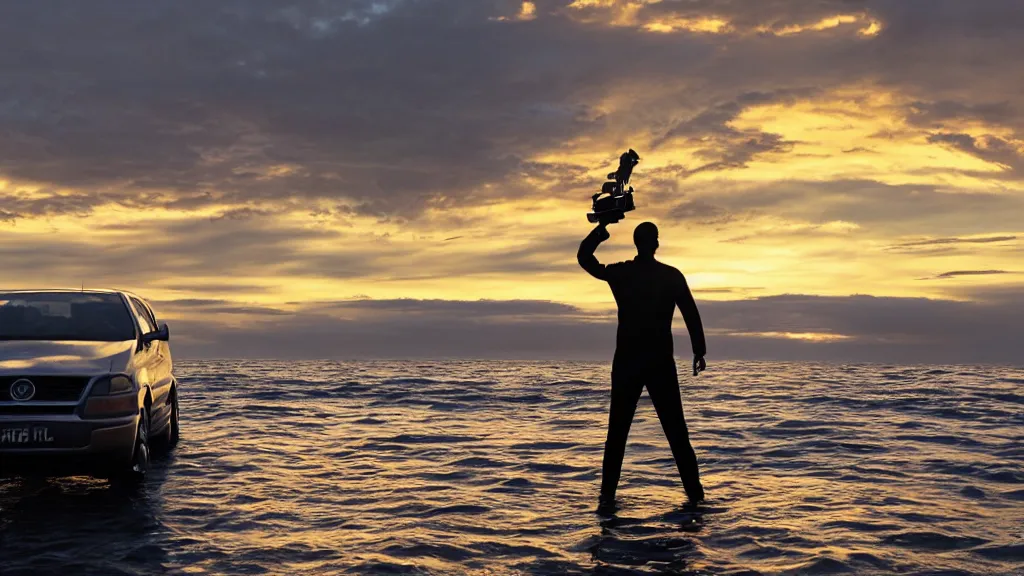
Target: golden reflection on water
x=493, y=468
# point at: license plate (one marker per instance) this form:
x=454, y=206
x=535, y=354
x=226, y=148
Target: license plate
x=25, y=435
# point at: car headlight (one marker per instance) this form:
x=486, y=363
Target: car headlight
x=112, y=396
x=111, y=385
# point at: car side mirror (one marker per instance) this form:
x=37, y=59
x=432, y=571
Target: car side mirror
x=162, y=334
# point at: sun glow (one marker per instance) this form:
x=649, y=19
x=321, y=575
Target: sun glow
x=805, y=336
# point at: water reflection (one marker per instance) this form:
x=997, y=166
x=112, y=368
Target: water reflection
x=494, y=468
x=82, y=526
x=659, y=542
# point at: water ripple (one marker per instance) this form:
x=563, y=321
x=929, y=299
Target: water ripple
x=493, y=468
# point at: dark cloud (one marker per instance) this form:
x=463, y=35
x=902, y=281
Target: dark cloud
x=938, y=115
x=242, y=214
x=49, y=202
x=877, y=329
x=205, y=307
x=149, y=252
x=998, y=295
x=722, y=146
x=700, y=212
x=196, y=255
x=957, y=273
x=949, y=245
x=900, y=210
x=455, y=308
x=217, y=288
x=386, y=113
x=934, y=241
x=388, y=107
x=874, y=330
x=989, y=148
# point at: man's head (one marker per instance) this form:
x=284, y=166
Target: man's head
x=646, y=238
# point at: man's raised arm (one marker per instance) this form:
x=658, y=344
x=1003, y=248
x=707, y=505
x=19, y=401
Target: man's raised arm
x=585, y=255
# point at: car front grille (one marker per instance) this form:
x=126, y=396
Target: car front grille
x=48, y=388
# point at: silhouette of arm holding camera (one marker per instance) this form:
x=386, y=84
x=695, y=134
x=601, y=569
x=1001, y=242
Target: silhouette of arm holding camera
x=586, y=257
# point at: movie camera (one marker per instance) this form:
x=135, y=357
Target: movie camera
x=619, y=200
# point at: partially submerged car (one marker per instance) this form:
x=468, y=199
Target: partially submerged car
x=86, y=384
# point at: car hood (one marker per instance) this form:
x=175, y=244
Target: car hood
x=30, y=357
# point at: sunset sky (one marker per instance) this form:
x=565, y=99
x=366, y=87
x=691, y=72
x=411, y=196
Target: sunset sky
x=837, y=179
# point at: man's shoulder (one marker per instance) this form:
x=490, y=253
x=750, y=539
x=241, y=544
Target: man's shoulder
x=669, y=269
x=618, y=269
x=671, y=274
x=661, y=266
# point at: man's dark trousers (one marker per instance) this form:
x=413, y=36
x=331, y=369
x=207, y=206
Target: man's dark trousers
x=629, y=376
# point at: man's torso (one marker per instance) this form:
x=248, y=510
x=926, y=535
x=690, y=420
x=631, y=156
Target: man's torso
x=645, y=292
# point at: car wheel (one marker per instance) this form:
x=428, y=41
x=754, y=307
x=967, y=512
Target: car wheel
x=173, y=433
x=135, y=471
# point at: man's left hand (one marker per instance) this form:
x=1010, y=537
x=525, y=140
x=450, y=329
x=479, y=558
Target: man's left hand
x=699, y=365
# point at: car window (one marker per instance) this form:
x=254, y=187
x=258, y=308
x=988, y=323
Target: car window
x=152, y=315
x=64, y=316
x=145, y=309
x=144, y=324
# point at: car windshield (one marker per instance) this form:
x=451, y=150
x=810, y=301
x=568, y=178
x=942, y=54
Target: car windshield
x=64, y=316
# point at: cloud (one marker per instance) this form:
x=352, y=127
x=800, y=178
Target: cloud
x=945, y=113
x=875, y=328
x=218, y=288
x=436, y=100
x=945, y=247
x=464, y=309
x=254, y=108
x=721, y=146
x=217, y=306
x=909, y=209
x=987, y=147
x=956, y=273
x=273, y=155
x=789, y=327
x=938, y=241
x=725, y=290
x=700, y=212
x=154, y=251
x=718, y=17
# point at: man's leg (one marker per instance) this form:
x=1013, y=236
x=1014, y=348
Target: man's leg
x=625, y=394
x=664, y=391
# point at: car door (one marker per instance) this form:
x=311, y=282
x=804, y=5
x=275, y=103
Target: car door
x=150, y=367
x=165, y=367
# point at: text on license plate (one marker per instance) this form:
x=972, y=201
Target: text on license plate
x=25, y=435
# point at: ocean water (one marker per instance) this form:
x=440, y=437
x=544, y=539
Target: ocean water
x=494, y=468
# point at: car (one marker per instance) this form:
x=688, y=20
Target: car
x=86, y=385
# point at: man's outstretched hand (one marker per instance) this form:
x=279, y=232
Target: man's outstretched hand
x=601, y=231
x=699, y=364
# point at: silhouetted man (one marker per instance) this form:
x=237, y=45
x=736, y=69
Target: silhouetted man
x=647, y=293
